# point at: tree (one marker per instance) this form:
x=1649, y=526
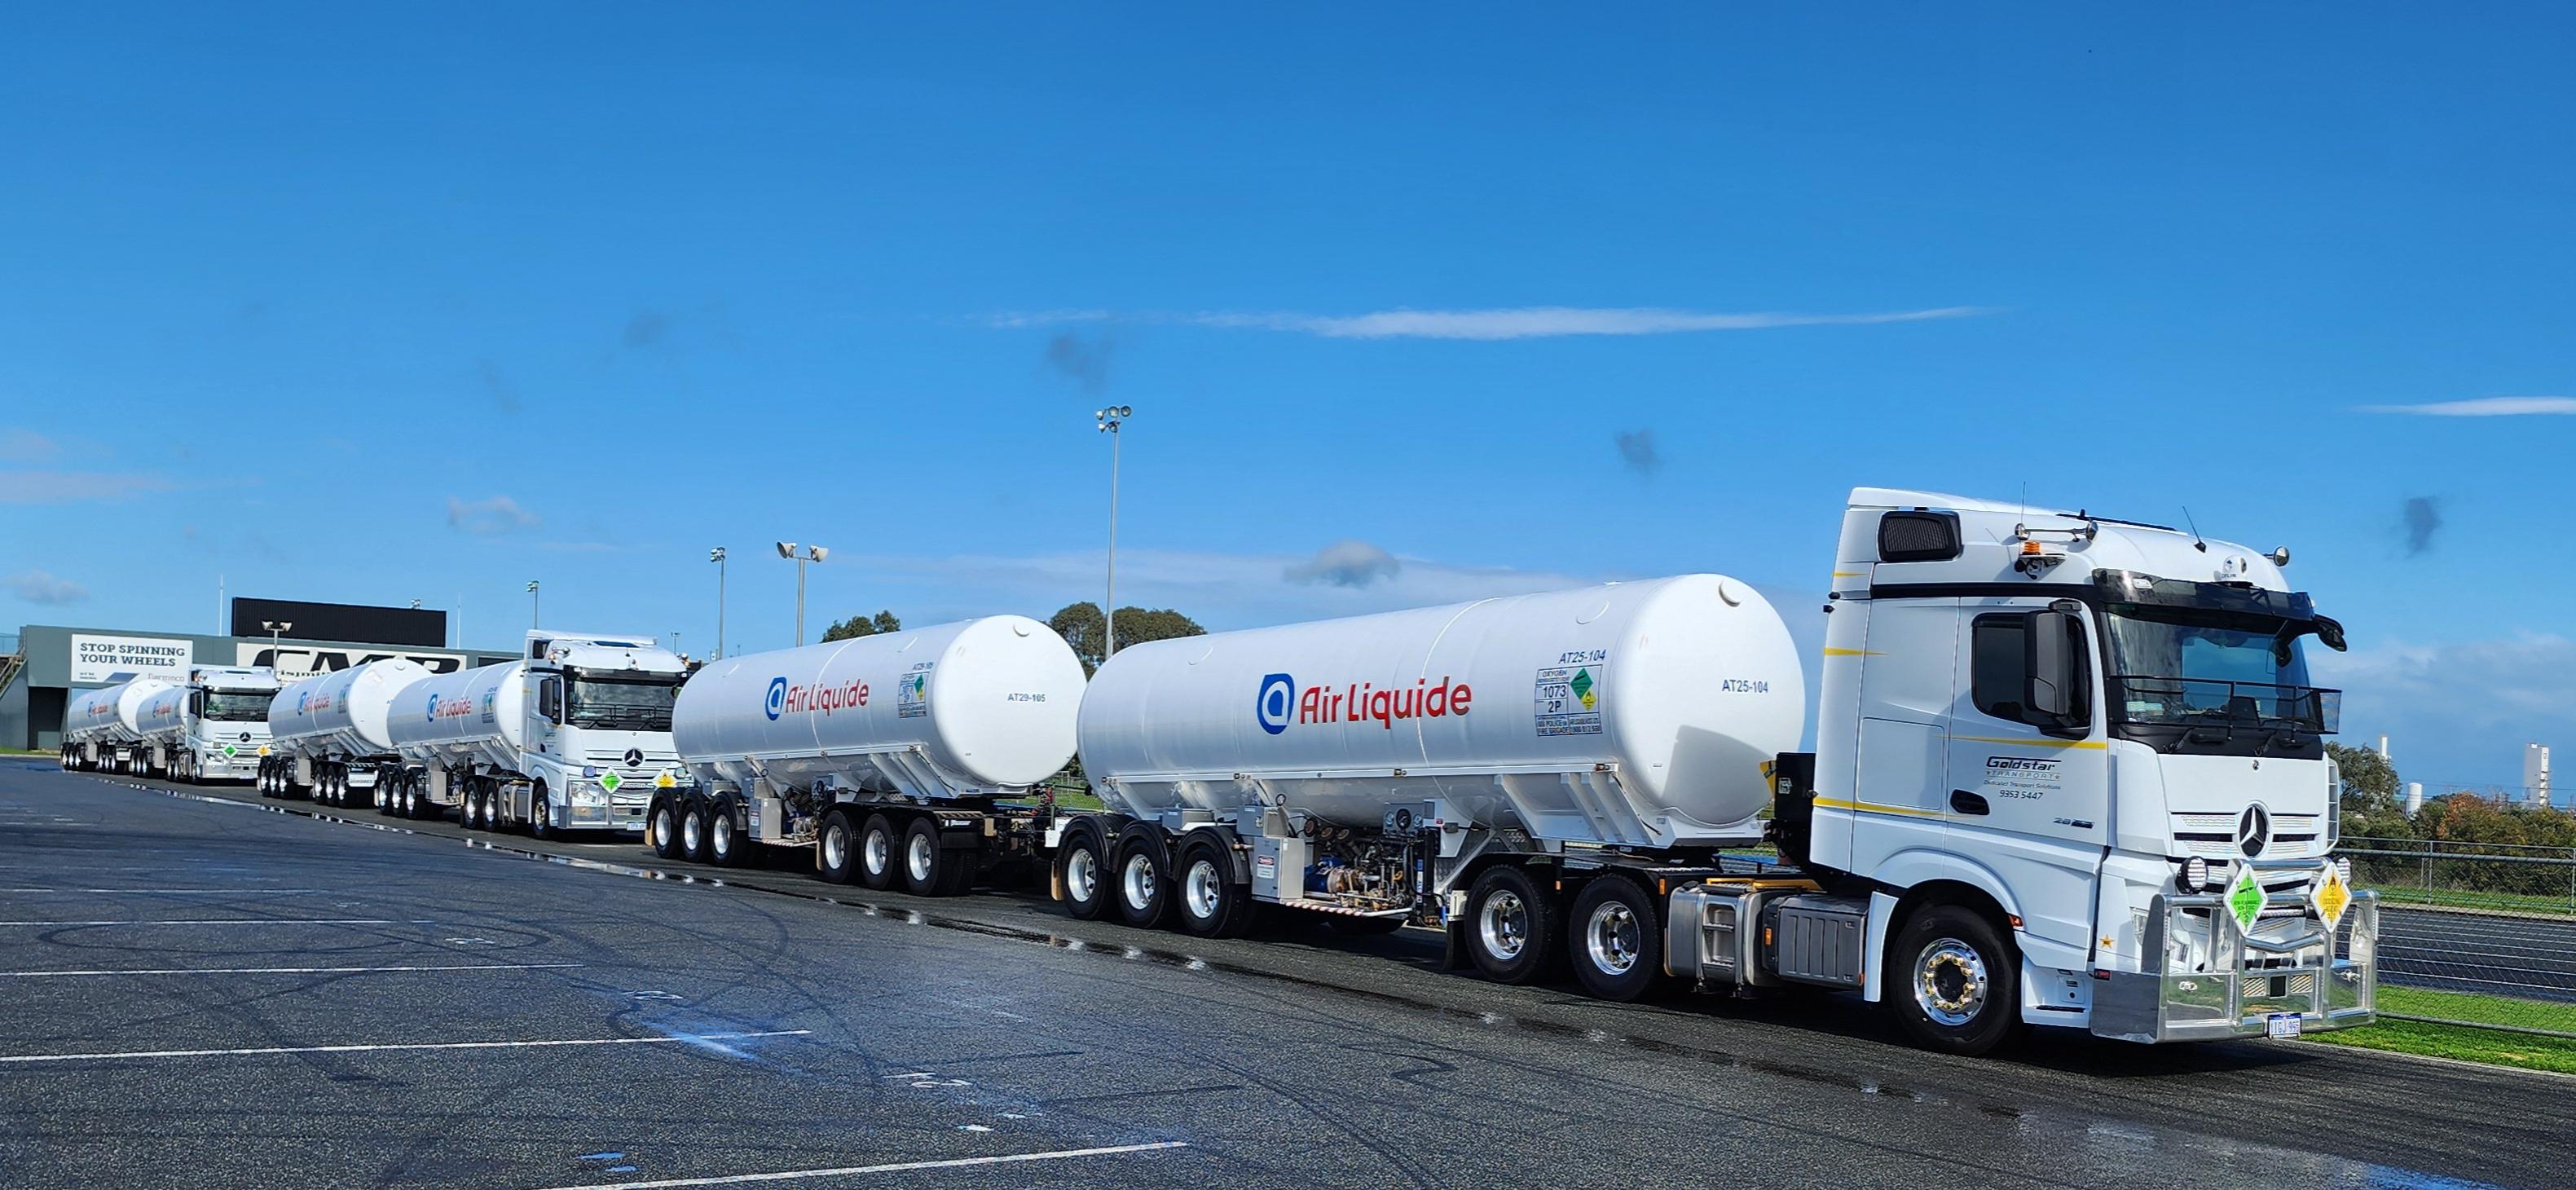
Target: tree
x=2371, y=806
x=1080, y=625
x=858, y=626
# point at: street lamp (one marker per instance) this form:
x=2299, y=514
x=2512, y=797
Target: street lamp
x=536, y=618
x=717, y=556
x=813, y=553
x=1110, y=419
x=275, y=629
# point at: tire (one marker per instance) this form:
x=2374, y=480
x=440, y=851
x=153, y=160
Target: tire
x=1955, y=981
x=836, y=849
x=541, y=819
x=666, y=829
x=1210, y=903
x=693, y=834
x=724, y=839
x=1615, y=939
x=922, y=863
x=1141, y=883
x=1082, y=871
x=880, y=854
x=1513, y=925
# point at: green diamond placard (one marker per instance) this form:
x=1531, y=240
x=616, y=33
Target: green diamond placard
x=230, y=752
x=1582, y=686
x=2244, y=899
x=610, y=782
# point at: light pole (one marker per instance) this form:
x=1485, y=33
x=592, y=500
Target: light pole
x=275, y=629
x=1110, y=419
x=717, y=556
x=536, y=615
x=812, y=553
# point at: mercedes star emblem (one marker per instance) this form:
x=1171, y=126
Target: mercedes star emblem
x=2254, y=830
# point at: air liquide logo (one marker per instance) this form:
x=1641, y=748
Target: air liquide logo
x=777, y=697
x=1278, y=697
x=786, y=699
x=1359, y=702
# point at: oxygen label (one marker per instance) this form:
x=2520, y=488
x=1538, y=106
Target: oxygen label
x=912, y=694
x=1568, y=699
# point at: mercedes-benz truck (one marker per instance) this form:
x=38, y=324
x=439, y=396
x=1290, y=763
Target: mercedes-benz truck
x=212, y=728
x=577, y=736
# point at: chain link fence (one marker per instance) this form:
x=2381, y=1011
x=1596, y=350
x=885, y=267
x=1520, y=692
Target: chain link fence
x=2485, y=919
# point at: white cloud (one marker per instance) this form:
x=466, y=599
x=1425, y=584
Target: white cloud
x=2458, y=713
x=1528, y=322
x=75, y=487
x=2485, y=407
x=37, y=586
x=27, y=446
x=1345, y=564
x=490, y=516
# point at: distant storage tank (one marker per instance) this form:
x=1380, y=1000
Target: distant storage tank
x=471, y=715
x=975, y=707
x=1630, y=713
x=343, y=713
x=110, y=714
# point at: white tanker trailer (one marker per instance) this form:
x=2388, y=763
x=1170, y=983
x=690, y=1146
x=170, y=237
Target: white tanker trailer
x=103, y=728
x=576, y=736
x=328, y=732
x=907, y=756
x=214, y=728
x=1556, y=779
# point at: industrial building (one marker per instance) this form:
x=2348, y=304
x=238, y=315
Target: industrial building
x=50, y=661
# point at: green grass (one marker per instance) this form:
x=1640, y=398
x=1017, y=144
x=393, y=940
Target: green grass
x=2398, y=894
x=2464, y=1042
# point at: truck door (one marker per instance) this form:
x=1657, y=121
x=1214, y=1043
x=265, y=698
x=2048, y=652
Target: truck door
x=2034, y=807
x=1901, y=782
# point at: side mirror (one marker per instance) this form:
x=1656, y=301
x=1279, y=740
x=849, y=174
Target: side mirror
x=2050, y=681
x=2330, y=632
x=550, y=700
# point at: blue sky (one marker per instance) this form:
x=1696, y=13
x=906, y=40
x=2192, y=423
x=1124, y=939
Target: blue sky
x=382, y=305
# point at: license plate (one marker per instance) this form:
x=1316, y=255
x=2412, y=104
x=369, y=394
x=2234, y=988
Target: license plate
x=2281, y=1024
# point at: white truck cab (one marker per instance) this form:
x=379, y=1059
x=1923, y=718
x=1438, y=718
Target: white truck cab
x=213, y=727
x=2076, y=767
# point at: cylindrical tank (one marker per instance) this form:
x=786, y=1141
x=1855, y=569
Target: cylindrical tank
x=110, y=714
x=977, y=706
x=342, y=714
x=472, y=714
x=1507, y=709
x=165, y=713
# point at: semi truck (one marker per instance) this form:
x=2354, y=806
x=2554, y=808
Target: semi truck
x=329, y=733
x=2067, y=772
x=576, y=736
x=103, y=728
x=912, y=758
x=214, y=727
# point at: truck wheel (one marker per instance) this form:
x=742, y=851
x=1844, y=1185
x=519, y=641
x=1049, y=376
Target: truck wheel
x=1141, y=884
x=1212, y=905
x=878, y=845
x=1082, y=870
x=1512, y=930
x=1615, y=939
x=1959, y=977
x=693, y=834
x=836, y=851
x=723, y=843
x=541, y=817
x=923, y=863
x=665, y=830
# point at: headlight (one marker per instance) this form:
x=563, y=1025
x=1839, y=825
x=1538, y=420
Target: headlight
x=2195, y=875
x=585, y=793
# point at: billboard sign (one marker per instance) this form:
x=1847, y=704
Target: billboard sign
x=294, y=663
x=410, y=627
x=101, y=659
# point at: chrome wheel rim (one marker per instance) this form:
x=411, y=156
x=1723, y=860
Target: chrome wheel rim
x=918, y=855
x=723, y=838
x=1612, y=938
x=1137, y=878
x=690, y=836
x=1503, y=925
x=1950, y=982
x=1202, y=888
x=877, y=853
x=1082, y=875
x=836, y=846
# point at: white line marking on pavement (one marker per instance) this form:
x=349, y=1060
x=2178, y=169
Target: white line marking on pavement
x=893, y=1167
x=291, y=970
x=253, y=892
x=245, y=921
x=682, y=1038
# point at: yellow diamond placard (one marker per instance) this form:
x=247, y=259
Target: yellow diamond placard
x=2331, y=896
x=664, y=781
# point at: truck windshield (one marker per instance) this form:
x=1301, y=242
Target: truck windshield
x=2206, y=668
x=633, y=705
x=238, y=706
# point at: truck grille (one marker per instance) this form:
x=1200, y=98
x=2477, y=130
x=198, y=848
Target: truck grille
x=2213, y=836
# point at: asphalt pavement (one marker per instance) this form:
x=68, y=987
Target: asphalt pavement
x=204, y=994
x=2532, y=957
